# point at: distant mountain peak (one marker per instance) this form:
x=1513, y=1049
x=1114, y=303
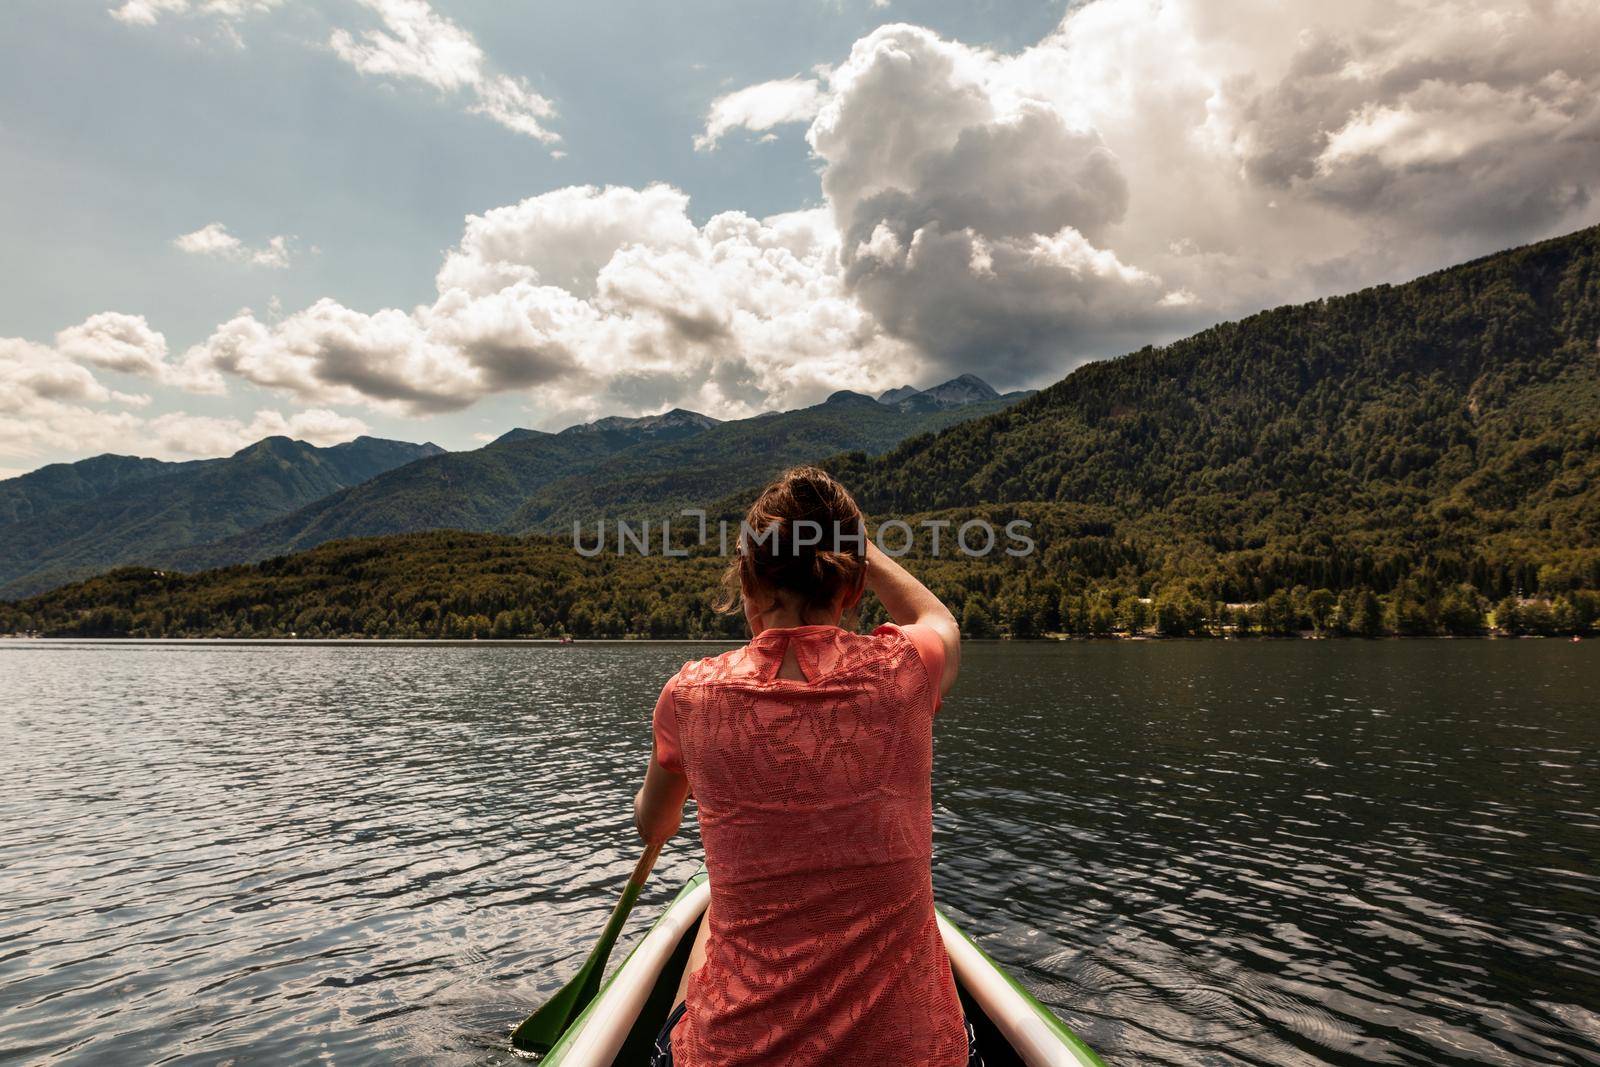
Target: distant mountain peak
x=847, y=396
x=894, y=396
x=367, y=440
x=272, y=443
x=517, y=434
x=284, y=445
x=675, y=423
x=966, y=385
x=957, y=392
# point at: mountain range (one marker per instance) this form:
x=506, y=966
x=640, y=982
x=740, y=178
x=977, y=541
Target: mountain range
x=1419, y=458
x=71, y=520
x=68, y=521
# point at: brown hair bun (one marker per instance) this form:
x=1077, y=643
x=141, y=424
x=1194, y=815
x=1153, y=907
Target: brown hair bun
x=804, y=536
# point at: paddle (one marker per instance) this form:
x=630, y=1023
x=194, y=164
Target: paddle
x=538, y=1033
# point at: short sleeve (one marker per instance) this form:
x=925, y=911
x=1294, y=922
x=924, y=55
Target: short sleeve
x=664, y=725
x=930, y=651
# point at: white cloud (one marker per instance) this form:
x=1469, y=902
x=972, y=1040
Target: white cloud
x=593, y=301
x=50, y=403
x=514, y=105
x=116, y=342
x=331, y=354
x=148, y=12
x=564, y=237
x=976, y=217
x=274, y=255
x=413, y=43
x=419, y=44
x=214, y=239
x=36, y=371
x=761, y=107
x=126, y=344
x=416, y=42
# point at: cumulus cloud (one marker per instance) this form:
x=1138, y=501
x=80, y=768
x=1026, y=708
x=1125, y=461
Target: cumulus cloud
x=126, y=344
x=419, y=44
x=976, y=217
x=30, y=370
x=761, y=107
x=214, y=240
x=1332, y=147
x=51, y=403
x=116, y=342
x=564, y=237
x=592, y=300
x=331, y=354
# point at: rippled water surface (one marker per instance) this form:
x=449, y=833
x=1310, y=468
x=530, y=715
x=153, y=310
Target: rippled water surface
x=1271, y=853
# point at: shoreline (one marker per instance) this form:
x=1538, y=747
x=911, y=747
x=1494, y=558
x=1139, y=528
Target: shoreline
x=553, y=642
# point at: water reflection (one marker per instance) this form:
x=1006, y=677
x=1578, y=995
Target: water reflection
x=1197, y=853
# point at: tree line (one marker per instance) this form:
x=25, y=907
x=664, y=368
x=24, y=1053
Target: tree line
x=458, y=585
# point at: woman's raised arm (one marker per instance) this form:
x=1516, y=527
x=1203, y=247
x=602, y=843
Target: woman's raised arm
x=910, y=603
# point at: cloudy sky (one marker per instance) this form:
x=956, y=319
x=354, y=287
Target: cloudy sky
x=438, y=219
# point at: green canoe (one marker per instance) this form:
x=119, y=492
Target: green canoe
x=620, y=1025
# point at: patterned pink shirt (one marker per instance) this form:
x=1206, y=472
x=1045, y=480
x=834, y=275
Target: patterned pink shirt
x=816, y=815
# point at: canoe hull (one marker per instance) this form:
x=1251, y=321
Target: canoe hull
x=620, y=1024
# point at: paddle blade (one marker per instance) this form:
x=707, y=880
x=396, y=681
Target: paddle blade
x=539, y=1032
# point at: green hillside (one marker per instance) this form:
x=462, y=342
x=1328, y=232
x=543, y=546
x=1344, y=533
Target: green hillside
x=655, y=482
x=474, y=490
x=528, y=479
x=152, y=511
x=1441, y=432
x=60, y=485
x=443, y=583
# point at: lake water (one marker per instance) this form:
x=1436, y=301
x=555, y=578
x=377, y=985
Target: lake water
x=1196, y=853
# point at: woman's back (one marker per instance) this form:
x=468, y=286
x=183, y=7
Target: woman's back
x=815, y=814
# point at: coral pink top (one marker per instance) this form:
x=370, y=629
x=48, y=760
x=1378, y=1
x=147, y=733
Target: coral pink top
x=816, y=815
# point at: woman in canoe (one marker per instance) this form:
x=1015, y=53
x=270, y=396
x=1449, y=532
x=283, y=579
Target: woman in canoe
x=809, y=753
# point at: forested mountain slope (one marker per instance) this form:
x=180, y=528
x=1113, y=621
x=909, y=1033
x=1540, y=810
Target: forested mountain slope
x=473, y=490
x=61, y=485
x=655, y=481
x=138, y=512
x=1450, y=424
x=530, y=479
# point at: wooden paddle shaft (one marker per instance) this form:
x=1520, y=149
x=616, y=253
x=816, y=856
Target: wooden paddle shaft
x=647, y=862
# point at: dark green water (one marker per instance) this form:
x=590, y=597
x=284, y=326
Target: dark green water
x=1207, y=853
